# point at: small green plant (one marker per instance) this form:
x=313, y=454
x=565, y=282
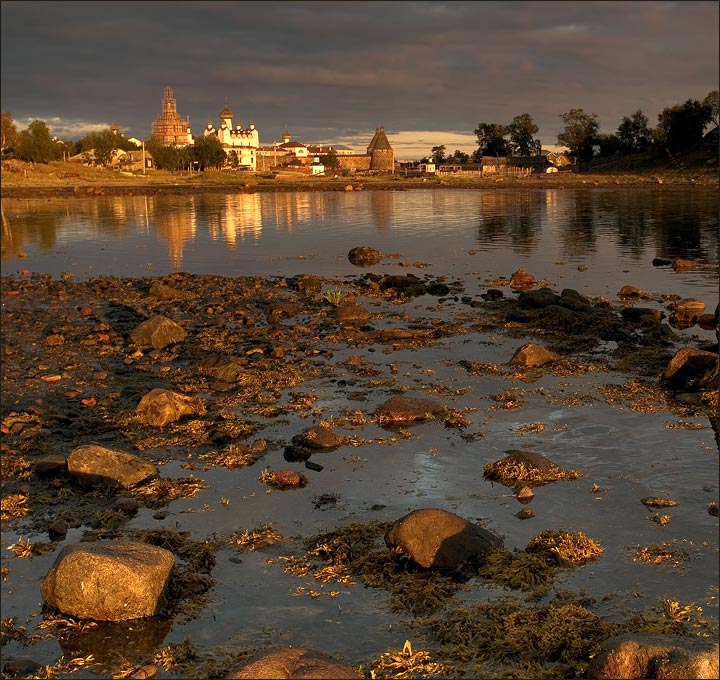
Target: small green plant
x=334, y=297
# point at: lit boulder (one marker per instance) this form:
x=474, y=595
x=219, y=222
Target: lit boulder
x=438, y=539
x=108, y=580
x=91, y=465
x=160, y=407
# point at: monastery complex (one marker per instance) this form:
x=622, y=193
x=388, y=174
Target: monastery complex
x=243, y=150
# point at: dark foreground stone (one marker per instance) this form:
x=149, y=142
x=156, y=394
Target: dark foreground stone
x=438, y=539
x=108, y=581
x=294, y=663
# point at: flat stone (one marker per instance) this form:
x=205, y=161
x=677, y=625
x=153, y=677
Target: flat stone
x=91, y=465
x=318, y=437
x=398, y=410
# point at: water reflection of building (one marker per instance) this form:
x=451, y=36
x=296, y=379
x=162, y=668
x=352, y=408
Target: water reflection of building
x=288, y=210
x=382, y=207
x=177, y=229
x=239, y=217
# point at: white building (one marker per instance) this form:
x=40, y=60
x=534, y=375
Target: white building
x=237, y=141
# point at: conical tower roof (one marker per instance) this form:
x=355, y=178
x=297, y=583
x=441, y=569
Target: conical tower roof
x=379, y=141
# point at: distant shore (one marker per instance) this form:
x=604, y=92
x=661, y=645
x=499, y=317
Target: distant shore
x=64, y=180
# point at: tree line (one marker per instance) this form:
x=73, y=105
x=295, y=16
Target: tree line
x=35, y=144
x=679, y=127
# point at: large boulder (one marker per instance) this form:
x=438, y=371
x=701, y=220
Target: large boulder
x=294, y=663
x=531, y=355
x=108, y=580
x=655, y=656
x=404, y=410
x=691, y=369
x=160, y=407
x=158, y=332
x=91, y=465
x=438, y=539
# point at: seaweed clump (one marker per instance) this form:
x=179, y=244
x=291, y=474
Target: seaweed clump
x=526, y=467
x=534, y=568
x=505, y=639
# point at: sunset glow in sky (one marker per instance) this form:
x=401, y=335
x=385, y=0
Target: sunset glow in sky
x=429, y=72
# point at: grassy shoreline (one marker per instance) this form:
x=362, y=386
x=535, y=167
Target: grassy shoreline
x=61, y=179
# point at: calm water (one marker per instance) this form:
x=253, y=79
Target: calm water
x=614, y=233
x=475, y=236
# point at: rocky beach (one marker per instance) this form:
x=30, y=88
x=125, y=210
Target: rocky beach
x=130, y=404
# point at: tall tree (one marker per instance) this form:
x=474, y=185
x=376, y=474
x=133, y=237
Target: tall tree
x=36, y=145
x=164, y=157
x=10, y=135
x=683, y=125
x=208, y=152
x=437, y=154
x=580, y=133
x=522, y=131
x=714, y=103
x=633, y=133
x=491, y=140
x=459, y=157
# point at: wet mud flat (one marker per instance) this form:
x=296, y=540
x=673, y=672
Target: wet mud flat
x=294, y=421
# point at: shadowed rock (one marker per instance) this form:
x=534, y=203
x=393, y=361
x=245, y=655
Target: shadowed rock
x=158, y=332
x=403, y=410
x=296, y=663
x=691, y=369
x=537, y=299
x=108, y=580
x=655, y=656
x=91, y=465
x=439, y=539
x=160, y=407
x=530, y=355
x=526, y=467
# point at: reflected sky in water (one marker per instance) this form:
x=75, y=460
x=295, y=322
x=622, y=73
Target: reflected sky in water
x=486, y=234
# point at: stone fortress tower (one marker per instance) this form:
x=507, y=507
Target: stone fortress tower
x=381, y=153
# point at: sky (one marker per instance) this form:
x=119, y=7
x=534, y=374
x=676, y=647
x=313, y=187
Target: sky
x=331, y=72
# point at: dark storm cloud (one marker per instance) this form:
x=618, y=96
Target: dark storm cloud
x=324, y=66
